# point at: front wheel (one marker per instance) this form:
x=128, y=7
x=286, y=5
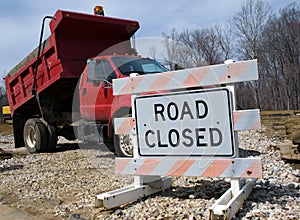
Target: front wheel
x=35, y=136
x=122, y=144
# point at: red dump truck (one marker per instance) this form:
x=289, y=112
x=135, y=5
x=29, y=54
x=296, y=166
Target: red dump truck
x=64, y=87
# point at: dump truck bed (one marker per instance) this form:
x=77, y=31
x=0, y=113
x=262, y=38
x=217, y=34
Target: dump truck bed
x=74, y=38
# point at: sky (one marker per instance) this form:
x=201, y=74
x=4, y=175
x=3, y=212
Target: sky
x=20, y=20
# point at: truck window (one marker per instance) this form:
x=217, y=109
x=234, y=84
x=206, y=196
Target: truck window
x=100, y=69
x=128, y=65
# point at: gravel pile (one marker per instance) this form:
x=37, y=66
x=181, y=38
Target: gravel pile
x=63, y=185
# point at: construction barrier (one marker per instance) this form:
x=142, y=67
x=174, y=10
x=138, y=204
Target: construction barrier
x=179, y=131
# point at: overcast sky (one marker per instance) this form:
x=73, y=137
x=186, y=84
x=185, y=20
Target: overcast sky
x=20, y=20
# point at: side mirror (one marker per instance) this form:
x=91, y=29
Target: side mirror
x=96, y=83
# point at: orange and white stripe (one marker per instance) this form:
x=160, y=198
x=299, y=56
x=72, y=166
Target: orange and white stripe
x=200, y=167
x=246, y=120
x=125, y=125
x=194, y=77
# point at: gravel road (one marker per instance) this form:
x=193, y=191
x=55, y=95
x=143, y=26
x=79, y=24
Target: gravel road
x=63, y=185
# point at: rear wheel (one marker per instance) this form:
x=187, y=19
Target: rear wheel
x=35, y=136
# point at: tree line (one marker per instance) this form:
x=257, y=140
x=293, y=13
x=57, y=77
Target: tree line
x=254, y=32
x=3, y=100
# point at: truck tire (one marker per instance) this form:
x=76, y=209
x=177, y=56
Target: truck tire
x=123, y=146
x=123, y=143
x=35, y=136
x=52, y=138
x=109, y=141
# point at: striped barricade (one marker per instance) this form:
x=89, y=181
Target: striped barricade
x=195, y=77
x=203, y=167
x=159, y=166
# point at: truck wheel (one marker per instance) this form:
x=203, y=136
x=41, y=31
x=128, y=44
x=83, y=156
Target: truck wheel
x=35, y=136
x=108, y=141
x=123, y=143
x=52, y=138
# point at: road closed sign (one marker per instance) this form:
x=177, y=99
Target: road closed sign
x=188, y=123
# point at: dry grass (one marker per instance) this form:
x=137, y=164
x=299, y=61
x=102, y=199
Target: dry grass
x=6, y=129
x=280, y=123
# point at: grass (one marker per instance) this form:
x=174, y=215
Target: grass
x=6, y=129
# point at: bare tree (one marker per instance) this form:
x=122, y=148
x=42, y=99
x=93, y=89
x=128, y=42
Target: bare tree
x=226, y=41
x=3, y=97
x=210, y=44
x=281, y=57
x=199, y=47
x=152, y=52
x=249, y=24
x=178, y=53
x=171, y=45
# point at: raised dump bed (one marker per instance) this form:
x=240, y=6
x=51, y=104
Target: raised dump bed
x=74, y=38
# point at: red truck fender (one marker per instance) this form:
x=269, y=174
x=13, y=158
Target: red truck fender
x=121, y=107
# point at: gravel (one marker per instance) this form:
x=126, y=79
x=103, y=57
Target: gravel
x=63, y=185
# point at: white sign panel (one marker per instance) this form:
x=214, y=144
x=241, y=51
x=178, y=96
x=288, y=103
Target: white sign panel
x=189, y=123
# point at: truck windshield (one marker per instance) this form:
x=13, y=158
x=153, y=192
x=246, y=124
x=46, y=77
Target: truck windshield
x=128, y=65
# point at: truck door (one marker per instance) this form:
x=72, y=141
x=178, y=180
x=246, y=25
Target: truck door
x=96, y=95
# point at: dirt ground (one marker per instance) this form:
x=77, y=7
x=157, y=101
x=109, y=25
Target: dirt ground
x=274, y=127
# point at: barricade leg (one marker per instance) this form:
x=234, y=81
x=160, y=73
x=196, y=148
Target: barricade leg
x=231, y=201
x=142, y=186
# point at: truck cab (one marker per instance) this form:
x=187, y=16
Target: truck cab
x=96, y=96
x=97, y=103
